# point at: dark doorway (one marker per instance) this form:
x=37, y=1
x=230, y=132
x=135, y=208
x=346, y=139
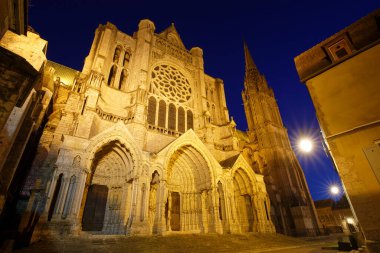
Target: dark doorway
x=95, y=208
x=175, y=223
x=248, y=205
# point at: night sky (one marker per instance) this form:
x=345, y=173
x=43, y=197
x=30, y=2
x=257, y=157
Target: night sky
x=275, y=31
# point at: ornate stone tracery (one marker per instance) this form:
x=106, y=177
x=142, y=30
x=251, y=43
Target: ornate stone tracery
x=171, y=83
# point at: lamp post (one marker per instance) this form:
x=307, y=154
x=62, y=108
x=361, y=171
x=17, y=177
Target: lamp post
x=305, y=145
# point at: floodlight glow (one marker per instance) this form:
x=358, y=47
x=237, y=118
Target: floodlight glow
x=306, y=145
x=334, y=190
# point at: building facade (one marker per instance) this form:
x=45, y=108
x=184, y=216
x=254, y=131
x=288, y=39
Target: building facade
x=342, y=77
x=141, y=142
x=23, y=106
x=335, y=216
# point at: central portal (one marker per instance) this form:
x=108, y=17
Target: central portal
x=175, y=221
x=188, y=177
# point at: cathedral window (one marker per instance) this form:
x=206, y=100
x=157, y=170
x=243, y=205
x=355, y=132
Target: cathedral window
x=152, y=111
x=181, y=120
x=162, y=113
x=127, y=57
x=111, y=77
x=171, y=83
x=190, y=124
x=116, y=55
x=172, y=117
x=123, y=79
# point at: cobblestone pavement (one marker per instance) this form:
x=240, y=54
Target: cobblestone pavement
x=184, y=243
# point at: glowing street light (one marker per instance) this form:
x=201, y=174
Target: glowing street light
x=305, y=145
x=334, y=190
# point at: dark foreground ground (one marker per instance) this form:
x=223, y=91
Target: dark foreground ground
x=189, y=243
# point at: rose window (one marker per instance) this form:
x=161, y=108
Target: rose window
x=171, y=83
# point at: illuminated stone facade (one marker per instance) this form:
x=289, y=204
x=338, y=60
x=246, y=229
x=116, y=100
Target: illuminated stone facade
x=142, y=143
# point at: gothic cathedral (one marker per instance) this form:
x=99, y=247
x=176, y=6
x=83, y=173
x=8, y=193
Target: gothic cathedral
x=141, y=142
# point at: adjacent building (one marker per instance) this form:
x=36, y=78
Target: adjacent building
x=335, y=216
x=343, y=77
x=24, y=101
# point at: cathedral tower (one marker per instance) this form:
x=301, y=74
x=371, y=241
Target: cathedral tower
x=286, y=184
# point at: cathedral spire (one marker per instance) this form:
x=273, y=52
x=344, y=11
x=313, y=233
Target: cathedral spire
x=252, y=74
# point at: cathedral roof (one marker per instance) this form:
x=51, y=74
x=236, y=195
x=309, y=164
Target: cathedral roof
x=229, y=162
x=241, y=135
x=171, y=34
x=65, y=74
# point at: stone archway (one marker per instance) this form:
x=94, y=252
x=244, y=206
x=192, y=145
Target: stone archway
x=191, y=199
x=108, y=194
x=243, y=193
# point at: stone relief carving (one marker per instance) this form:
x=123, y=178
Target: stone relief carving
x=76, y=161
x=173, y=50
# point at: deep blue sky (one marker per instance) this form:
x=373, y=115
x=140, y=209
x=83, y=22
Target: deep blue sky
x=275, y=31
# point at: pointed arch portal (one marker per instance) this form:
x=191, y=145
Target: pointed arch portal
x=190, y=193
x=243, y=200
x=108, y=191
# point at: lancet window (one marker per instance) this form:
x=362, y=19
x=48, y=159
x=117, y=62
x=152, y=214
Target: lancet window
x=171, y=117
x=111, y=77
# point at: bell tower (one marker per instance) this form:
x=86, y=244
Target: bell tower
x=290, y=197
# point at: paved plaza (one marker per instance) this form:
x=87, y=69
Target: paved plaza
x=186, y=243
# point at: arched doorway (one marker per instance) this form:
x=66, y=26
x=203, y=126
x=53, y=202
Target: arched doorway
x=109, y=192
x=243, y=200
x=190, y=198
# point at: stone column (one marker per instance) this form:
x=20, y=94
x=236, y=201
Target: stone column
x=162, y=196
x=79, y=190
x=50, y=192
x=132, y=214
x=194, y=212
x=62, y=198
x=168, y=225
x=215, y=210
x=254, y=212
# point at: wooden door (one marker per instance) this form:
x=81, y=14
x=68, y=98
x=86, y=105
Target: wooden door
x=95, y=208
x=249, y=209
x=175, y=222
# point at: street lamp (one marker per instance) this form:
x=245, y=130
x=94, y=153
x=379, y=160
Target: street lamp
x=305, y=145
x=334, y=190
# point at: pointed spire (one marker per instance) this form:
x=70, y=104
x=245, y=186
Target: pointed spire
x=252, y=74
